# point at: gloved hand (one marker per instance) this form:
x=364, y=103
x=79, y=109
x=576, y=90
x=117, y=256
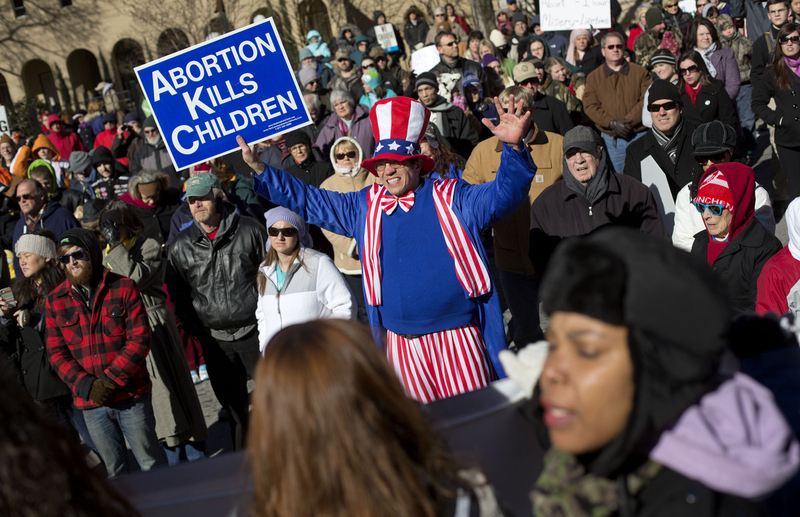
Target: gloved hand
x=627, y=126
x=110, y=232
x=101, y=391
x=617, y=128
x=525, y=367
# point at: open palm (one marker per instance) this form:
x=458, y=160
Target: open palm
x=514, y=124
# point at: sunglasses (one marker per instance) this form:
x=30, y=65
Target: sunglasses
x=344, y=59
x=712, y=209
x=714, y=158
x=789, y=39
x=655, y=108
x=691, y=70
x=78, y=255
x=531, y=81
x=26, y=197
x=367, y=67
x=614, y=47
x=348, y=154
x=150, y=131
x=451, y=44
x=439, y=15
x=287, y=232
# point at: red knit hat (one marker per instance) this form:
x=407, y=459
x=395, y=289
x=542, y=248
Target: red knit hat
x=715, y=191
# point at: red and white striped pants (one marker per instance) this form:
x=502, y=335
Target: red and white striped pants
x=442, y=364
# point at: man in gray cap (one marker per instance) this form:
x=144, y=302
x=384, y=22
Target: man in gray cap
x=589, y=197
x=713, y=144
x=211, y=279
x=153, y=154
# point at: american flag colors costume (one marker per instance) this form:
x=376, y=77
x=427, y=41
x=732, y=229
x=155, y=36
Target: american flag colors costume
x=425, y=273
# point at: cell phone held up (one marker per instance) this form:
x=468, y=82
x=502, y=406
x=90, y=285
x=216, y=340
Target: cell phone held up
x=7, y=296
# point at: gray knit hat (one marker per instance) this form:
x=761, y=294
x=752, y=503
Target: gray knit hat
x=304, y=53
x=286, y=215
x=80, y=162
x=307, y=75
x=36, y=244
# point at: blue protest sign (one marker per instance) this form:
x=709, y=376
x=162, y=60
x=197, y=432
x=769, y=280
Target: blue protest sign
x=238, y=84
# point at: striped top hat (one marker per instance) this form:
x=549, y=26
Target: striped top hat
x=399, y=124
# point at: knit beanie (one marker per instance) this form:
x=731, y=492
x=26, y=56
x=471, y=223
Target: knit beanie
x=298, y=136
x=489, y=58
x=660, y=58
x=304, y=53
x=102, y=154
x=36, y=244
x=519, y=17
x=469, y=79
x=307, y=74
x=372, y=78
x=80, y=162
x=286, y=215
x=497, y=38
x=653, y=17
x=132, y=117
x=150, y=122
x=428, y=78
x=715, y=191
x=663, y=90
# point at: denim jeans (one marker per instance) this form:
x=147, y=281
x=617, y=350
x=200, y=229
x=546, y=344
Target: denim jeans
x=132, y=420
x=187, y=451
x=747, y=119
x=616, y=147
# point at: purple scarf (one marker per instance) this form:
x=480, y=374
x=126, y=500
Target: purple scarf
x=794, y=64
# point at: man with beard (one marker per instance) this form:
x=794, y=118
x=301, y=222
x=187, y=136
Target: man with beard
x=211, y=279
x=98, y=338
x=153, y=154
x=348, y=76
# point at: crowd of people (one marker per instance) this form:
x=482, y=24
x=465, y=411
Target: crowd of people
x=598, y=184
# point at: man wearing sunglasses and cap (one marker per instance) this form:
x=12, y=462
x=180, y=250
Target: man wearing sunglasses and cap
x=211, y=275
x=425, y=274
x=98, y=338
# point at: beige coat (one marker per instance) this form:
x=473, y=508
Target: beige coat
x=512, y=234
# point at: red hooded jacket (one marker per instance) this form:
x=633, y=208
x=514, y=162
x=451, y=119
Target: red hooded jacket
x=64, y=142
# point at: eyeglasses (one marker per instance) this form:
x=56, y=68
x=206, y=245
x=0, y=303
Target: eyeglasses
x=440, y=14
x=655, y=108
x=714, y=158
x=298, y=148
x=312, y=82
x=78, y=255
x=670, y=6
x=789, y=39
x=615, y=47
x=150, y=131
x=712, y=209
x=691, y=70
x=348, y=154
x=26, y=197
x=380, y=167
x=287, y=232
x=382, y=59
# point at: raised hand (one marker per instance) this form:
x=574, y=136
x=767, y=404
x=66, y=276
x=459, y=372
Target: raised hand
x=514, y=124
x=250, y=155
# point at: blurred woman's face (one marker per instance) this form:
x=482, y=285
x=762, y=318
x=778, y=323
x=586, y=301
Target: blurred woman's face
x=582, y=42
x=729, y=31
x=282, y=243
x=485, y=50
x=44, y=153
x=31, y=263
x=426, y=149
x=537, y=49
x=664, y=71
x=587, y=387
x=690, y=72
x=559, y=73
x=474, y=44
x=346, y=156
x=704, y=39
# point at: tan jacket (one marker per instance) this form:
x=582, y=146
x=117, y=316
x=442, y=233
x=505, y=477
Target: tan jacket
x=618, y=95
x=512, y=234
x=345, y=248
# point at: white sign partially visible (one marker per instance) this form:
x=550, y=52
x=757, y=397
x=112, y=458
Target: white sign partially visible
x=4, y=128
x=562, y=15
x=424, y=59
x=385, y=36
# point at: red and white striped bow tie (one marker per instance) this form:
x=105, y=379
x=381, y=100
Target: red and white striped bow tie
x=389, y=202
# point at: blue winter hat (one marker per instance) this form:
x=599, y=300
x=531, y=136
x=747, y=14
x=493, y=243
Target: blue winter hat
x=470, y=79
x=286, y=215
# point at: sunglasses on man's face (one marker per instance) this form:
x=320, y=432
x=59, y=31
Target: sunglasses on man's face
x=714, y=158
x=26, y=197
x=789, y=39
x=691, y=70
x=655, y=108
x=712, y=209
x=287, y=232
x=78, y=255
x=348, y=154
x=615, y=47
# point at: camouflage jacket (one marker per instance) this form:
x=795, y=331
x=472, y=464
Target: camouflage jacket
x=561, y=92
x=646, y=44
x=743, y=51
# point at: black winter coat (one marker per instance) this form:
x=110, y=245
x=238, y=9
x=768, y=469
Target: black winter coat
x=415, y=33
x=679, y=174
x=157, y=220
x=786, y=115
x=455, y=128
x=713, y=103
x=741, y=262
x=763, y=51
x=592, y=58
x=213, y=283
x=551, y=115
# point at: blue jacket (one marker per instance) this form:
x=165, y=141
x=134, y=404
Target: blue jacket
x=55, y=218
x=475, y=206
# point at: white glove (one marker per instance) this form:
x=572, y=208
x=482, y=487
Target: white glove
x=526, y=366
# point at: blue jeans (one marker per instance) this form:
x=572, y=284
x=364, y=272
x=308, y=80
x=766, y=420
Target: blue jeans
x=132, y=420
x=187, y=451
x=747, y=119
x=615, y=149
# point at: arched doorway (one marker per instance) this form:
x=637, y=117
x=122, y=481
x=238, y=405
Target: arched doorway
x=171, y=41
x=84, y=73
x=126, y=55
x=5, y=96
x=37, y=78
x=313, y=14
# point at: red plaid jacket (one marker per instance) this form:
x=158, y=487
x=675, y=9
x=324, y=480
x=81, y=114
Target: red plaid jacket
x=110, y=342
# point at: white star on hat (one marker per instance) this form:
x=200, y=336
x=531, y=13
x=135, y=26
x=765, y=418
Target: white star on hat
x=394, y=146
x=379, y=147
x=410, y=148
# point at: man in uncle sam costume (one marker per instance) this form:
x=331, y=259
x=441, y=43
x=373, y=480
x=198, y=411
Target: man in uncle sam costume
x=425, y=273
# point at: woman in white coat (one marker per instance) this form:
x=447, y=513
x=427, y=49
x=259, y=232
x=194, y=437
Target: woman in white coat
x=296, y=283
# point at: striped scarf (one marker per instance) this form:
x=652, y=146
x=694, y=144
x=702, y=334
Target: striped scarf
x=470, y=269
x=669, y=144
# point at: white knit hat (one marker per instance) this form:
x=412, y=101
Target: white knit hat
x=36, y=244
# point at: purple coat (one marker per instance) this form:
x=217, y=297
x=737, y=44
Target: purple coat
x=361, y=132
x=724, y=61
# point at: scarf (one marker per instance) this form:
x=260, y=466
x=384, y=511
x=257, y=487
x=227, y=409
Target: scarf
x=597, y=187
x=470, y=269
x=669, y=144
x=692, y=93
x=794, y=64
x=565, y=488
x=707, y=53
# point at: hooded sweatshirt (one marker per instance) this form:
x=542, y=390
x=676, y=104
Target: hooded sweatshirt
x=320, y=48
x=64, y=142
x=56, y=162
